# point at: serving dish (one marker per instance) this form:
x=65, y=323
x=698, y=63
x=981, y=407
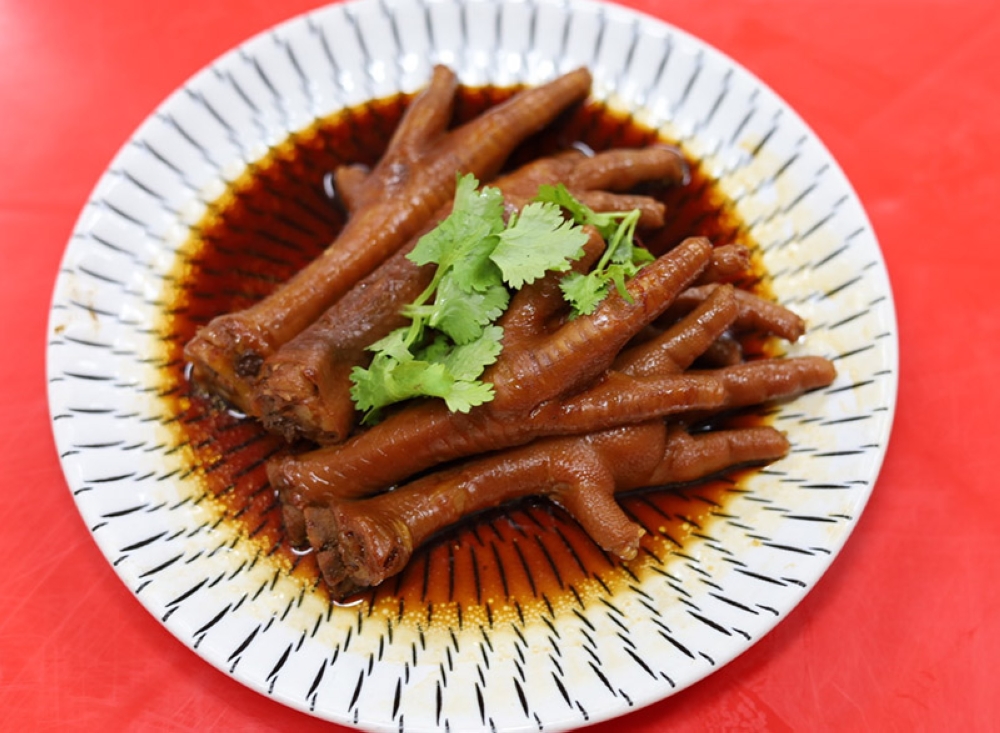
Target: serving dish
x=618, y=640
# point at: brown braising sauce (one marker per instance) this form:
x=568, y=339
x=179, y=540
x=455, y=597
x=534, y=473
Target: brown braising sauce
x=276, y=217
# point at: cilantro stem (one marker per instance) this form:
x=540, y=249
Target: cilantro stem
x=624, y=230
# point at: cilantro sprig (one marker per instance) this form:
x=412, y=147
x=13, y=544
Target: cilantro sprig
x=621, y=259
x=481, y=259
x=452, y=335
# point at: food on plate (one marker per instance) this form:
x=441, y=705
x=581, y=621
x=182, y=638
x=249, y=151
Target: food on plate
x=361, y=543
x=303, y=389
x=461, y=345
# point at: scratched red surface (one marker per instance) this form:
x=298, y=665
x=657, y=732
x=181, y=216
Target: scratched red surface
x=901, y=633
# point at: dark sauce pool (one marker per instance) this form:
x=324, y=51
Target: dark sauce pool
x=275, y=218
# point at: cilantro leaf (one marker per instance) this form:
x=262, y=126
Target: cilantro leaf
x=466, y=394
x=560, y=196
x=583, y=292
x=540, y=239
x=462, y=315
x=468, y=361
x=475, y=215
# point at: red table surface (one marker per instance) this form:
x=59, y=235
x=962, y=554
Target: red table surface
x=900, y=634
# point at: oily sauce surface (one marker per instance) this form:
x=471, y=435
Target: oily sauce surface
x=276, y=218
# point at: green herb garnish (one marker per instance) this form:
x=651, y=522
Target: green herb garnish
x=481, y=259
x=621, y=260
x=452, y=336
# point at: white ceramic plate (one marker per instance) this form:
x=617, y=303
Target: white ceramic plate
x=556, y=663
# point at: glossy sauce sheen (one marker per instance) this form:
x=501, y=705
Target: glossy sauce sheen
x=277, y=217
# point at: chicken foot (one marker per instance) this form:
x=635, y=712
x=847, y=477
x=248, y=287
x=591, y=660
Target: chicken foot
x=304, y=388
x=413, y=180
x=360, y=543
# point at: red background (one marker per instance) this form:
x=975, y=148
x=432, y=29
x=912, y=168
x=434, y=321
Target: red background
x=901, y=633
